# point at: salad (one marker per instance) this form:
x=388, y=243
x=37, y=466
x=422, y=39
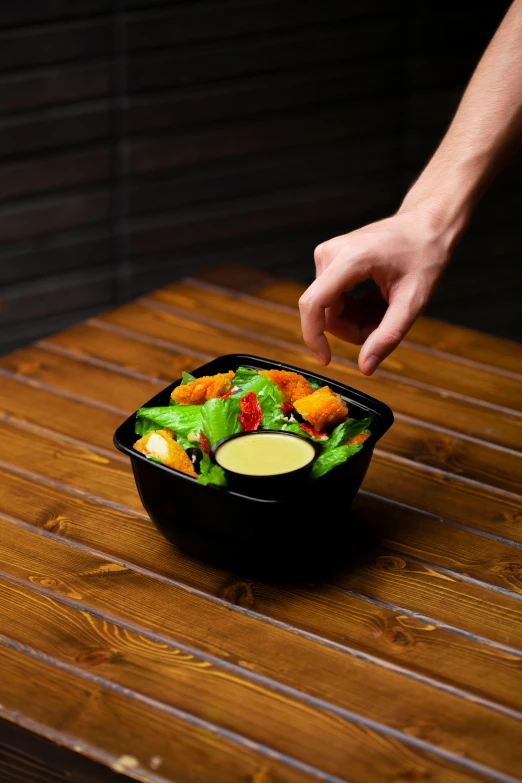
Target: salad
x=204, y=410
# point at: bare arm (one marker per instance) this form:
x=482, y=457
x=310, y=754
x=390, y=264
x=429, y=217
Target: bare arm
x=407, y=253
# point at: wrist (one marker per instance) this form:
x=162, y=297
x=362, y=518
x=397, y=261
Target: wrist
x=445, y=195
x=443, y=218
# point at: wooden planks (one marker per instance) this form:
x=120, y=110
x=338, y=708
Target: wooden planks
x=449, y=339
x=396, y=666
x=96, y=642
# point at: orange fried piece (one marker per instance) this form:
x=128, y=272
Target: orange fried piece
x=161, y=444
x=323, y=409
x=360, y=438
x=202, y=389
x=292, y=384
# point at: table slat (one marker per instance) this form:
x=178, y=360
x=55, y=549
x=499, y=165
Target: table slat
x=222, y=674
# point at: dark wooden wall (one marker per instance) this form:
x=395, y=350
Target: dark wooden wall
x=140, y=141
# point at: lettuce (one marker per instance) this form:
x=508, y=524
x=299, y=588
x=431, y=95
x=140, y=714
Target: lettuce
x=219, y=418
x=186, y=377
x=294, y=427
x=330, y=458
x=268, y=395
x=143, y=426
x=153, y=459
x=315, y=384
x=181, y=419
x=270, y=399
x=211, y=473
x=243, y=375
x=348, y=429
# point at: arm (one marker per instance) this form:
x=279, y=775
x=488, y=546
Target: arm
x=407, y=253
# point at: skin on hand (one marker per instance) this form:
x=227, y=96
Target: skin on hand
x=404, y=255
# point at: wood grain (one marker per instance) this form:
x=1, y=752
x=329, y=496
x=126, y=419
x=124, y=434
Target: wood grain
x=380, y=632
x=452, y=340
x=173, y=676
x=184, y=749
x=422, y=404
x=213, y=670
x=475, y=505
x=251, y=314
x=412, y=439
x=438, y=595
x=384, y=633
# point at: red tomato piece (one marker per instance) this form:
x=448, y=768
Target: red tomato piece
x=287, y=407
x=205, y=445
x=226, y=396
x=251, y=413
x=313, y=433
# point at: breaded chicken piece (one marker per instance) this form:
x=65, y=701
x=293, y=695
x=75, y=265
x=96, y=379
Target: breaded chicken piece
x=202, y=389
x=292, y=384
x=161, y=444
x=358, y=439
x=323, y=409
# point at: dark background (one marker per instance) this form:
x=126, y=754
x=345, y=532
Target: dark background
x=142, y=141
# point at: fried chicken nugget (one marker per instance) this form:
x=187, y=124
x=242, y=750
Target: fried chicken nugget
x=292, y=384
x=161, y=444
x=323, y=409
x=358, y=439
x=202, y=389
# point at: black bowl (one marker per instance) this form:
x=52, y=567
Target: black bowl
x=240, y=531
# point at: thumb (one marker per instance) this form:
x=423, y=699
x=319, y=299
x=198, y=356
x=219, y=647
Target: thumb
x=402, y=312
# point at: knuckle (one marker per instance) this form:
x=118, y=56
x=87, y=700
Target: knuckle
x=305, y=302
x=318, y=254
x=391, y=337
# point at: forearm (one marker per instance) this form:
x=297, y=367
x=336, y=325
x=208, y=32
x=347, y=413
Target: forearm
x=485, y=132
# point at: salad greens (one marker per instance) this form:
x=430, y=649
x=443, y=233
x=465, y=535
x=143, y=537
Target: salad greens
x=315, y=384
x=330, y=458
x=211, y=473
x=217, y=418
x=181, y=419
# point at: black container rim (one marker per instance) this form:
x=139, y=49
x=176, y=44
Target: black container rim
x=255, y=477
x=383, y=415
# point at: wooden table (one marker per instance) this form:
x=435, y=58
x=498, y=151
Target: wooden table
x=120, y=656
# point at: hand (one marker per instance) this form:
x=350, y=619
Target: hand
x=405, y=255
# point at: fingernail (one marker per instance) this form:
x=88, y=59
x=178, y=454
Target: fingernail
x=371, y=364
x=320, y=359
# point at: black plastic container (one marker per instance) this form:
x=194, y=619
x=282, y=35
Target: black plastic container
x=238, y=531
x=275, y=486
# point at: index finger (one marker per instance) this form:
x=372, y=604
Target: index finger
x=313, y=322
x=324, y=292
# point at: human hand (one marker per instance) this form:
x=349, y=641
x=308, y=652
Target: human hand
x=405, y=255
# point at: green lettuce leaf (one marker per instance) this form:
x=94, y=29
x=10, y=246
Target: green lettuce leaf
x=315, y=384
x=270, y=399
x=211, y=473
x=153, y=459
x=348, y=429
x=244, y=375
x=219, y=418
x=330, y=458
x=186, y=377
x=293, y=426
x=256, y=383
x=181, y=419
x=143, y=426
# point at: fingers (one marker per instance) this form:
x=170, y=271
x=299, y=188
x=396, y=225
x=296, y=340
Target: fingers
x=403, y=310
x=341, y=275
x=313, y=323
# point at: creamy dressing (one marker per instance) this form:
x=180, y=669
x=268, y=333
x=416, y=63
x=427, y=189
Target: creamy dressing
x=267, y=454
